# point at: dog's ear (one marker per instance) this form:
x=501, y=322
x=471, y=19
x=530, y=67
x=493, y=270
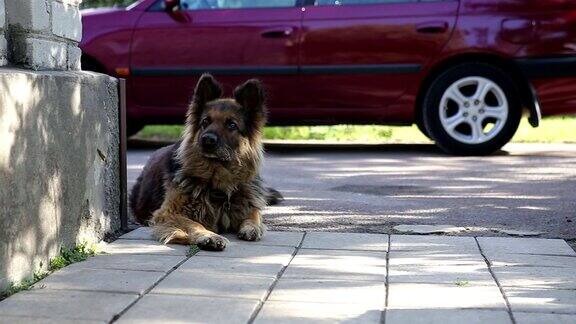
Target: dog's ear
x=207, y=89
x=250, y=95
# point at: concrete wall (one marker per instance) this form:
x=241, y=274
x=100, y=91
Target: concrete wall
x=3, y=43
x=44, y=34
x=59, y=172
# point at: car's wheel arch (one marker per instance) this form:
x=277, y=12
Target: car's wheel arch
x=525, y=90
x=89, y=63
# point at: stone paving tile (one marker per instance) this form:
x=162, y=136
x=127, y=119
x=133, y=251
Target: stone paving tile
x=234, y=266
x=273, y=238
x=536, y=277
x=141, y=233
x=449, y=274
x=370, y=294
x=540, y=318
x=66, y=304
x=541, y=300
x=447, y=316
x=434, y=244
x=143, y=247
x=123, y=281
x=271, y=254
x=346, y=241
x=421, y=258
x=338, y=264
x=516, y=259
x=189, y=309
x=207, y=284
x=444, y=296
x=288, y=312
x=137, y=262
x=6, y=319
x=499, y=245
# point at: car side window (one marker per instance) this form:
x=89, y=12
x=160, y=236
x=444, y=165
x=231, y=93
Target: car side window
x=356, y=2
x=234, y=4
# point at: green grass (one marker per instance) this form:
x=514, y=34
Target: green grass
x=193, y=250
x=462, y=283
x=552, y=130
x=66, y=257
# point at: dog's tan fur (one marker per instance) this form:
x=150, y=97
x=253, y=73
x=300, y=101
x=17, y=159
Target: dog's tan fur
x=205, y=195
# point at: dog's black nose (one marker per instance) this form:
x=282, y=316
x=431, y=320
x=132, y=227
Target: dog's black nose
x=209, y=141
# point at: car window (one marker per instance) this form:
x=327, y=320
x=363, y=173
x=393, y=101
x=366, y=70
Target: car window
x=234, y=4
x=356, y=2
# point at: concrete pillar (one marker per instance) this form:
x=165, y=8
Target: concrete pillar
x=44, y=34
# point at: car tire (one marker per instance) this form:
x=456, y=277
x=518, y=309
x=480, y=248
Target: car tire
x=472, y=109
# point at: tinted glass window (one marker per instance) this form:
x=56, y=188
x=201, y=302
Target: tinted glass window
x=356, y=2
x=234, y=4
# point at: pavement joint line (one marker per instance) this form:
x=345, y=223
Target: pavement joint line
x=117, y=316
x=275, y=282
x=387, y=281
x=489, y=265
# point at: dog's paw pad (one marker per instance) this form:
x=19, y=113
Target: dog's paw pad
x=250, y=233
x=212, y=242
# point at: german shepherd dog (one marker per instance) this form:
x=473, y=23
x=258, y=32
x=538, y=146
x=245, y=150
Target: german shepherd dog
x=209, y=182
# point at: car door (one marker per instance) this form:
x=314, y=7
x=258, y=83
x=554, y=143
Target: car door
x=233, y=39
x=363, y=54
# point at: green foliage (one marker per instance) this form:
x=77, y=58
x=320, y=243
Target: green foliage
x=105, y=3
x=66, y=257
x=193, y=250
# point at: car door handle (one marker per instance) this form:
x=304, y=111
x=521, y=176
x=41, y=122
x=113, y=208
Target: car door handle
x=433, y=27
x=280, y=32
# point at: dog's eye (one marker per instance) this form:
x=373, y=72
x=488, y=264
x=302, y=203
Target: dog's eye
x=231, y=125
x=205, y=122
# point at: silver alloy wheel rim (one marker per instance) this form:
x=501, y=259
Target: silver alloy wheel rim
x=466, y=117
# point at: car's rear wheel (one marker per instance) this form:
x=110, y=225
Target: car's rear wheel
x=472, y=109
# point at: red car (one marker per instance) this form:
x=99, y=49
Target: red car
x=463, y=71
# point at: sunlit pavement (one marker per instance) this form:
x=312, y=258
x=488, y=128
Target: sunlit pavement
x=296, y=277
x=526, y=187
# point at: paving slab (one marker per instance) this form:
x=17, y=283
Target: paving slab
x=189, y=309
x=433, y=244
x=271, y=254
x=499, y=245
x=66, y=304
x=235, y=266
x=217, y=285
x=346, y=241
x=273, y=238
x=540, y=318
x=6, y=319
x=519, y=233
x=122, y=281
x=446, y=316
x=444, y=296
x=137, y=262
x=287, y=312
x=141, y=233
x=429, y=229
x=370, y=294
x=421, y=258
x=131, y=246
x=477, y=274
x=541, y=300
x=536, y=277
x=515, y=260
x=337, y=264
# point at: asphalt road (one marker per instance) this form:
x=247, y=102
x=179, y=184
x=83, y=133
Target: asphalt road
x=372, y=189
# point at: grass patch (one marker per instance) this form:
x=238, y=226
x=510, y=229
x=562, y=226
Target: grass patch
x=193, y=250
x=66, y=257
x=462, y=283
x=551, y=130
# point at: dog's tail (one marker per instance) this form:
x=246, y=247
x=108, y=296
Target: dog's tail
x=273, y=196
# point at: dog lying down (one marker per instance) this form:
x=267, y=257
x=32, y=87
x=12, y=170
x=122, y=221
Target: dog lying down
x=209, y=182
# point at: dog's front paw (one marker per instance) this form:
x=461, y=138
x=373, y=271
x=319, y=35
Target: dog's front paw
x=250, y=232
x=212, y=242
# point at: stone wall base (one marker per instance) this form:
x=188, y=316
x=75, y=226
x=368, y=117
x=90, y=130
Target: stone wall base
x=59, y=172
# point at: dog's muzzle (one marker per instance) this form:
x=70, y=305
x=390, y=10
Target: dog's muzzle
x=209, y=142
